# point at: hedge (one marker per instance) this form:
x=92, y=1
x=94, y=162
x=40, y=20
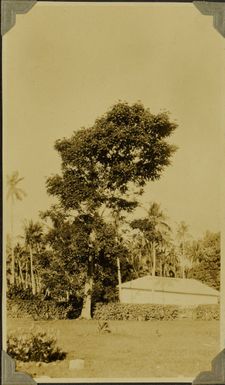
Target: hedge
x=44, y=310
x=135, y=312
x=147, y=312
x=40, y=310
x=207, y=312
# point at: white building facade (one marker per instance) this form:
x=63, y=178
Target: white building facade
x=167, y=291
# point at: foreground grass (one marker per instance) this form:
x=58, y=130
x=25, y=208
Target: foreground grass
x=133, y=349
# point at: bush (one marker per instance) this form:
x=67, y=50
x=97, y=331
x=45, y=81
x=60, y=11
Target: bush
x=138, y=312
x=17, y=292
x=37, y=347
x=207, y=312
x=47, y=310
x=40, y=310
x=103, y=327
x=148, y=312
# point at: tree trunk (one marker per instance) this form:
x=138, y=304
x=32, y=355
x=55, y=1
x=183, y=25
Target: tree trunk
x=154, y=259
x=33, y=286
x=17, y=274
x=161, y=269
x=88, y=288
x=38, y=283
x=26, y=276
x=119, y=277
x=183, y=270
x=21, y=274
x=12, y=281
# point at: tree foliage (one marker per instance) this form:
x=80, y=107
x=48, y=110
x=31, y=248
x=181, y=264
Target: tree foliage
x=156, y=236
x=207, y=264
x=103, y=164
x=14, y=191
x=69, y=248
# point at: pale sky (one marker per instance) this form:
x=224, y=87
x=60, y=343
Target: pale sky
x=66, y=64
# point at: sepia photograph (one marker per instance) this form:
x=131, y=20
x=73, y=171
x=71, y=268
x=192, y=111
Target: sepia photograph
x=112, y=153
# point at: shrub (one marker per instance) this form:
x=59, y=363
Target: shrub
x=103, y=327
x=40, y=310
x=207, y=312
x=138, y=312
x=16, y=292
x=37, y=347
x=46, y=310
x=49, y=310
x=147, y=312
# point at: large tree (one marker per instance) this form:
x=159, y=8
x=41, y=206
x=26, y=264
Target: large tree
x=107, y=165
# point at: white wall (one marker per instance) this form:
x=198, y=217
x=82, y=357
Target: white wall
x=148, y=296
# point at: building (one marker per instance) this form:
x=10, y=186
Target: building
x=167, y=291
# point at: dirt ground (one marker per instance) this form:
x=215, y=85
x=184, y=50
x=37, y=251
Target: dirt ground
x=133, y=349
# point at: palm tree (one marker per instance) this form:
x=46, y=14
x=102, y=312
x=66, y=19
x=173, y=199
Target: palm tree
x=182, y=233
x=155, y=231
x=138, y=252
x=169, y=261
x=20, y=265
x=33, y=238
x=14, y=193
x=165, y=253
x=160, y=230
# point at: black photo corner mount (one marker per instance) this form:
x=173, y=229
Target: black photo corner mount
x=216, y=376
x=9, y=374
x=215, y=9
x=9, y=10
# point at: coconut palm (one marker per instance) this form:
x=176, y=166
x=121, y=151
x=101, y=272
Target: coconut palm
x=20, y=263
x=160, y=230
x=33, y=237
x=138, y=253
x=155, y=230
x=14, y=193
x=167, y=264
x=182, y=235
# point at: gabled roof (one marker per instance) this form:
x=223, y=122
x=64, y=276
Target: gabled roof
x=171, y=285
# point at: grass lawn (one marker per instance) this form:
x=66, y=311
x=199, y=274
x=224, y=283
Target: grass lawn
x=133, y=349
